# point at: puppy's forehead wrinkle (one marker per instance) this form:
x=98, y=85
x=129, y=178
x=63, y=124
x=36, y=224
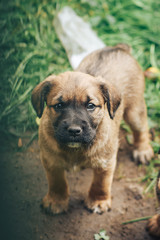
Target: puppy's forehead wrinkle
x=75, y=85
x=76, y=94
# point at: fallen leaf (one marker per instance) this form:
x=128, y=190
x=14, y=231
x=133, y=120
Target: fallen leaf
x=20, y=144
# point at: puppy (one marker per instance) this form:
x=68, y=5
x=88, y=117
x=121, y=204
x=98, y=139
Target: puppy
x=80, y=123
x=153, y=225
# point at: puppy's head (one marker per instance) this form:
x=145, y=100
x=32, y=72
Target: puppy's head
x=76, y=105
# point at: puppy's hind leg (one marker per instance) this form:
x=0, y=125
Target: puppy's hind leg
x=136, y=116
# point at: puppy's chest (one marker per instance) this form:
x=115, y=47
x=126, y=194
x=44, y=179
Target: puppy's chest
x=78, y=162
x=75, y=162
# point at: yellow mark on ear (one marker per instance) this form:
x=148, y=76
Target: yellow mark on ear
x=38, y=120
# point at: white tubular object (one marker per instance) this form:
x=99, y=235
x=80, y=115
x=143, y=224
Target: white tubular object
x=76, y=36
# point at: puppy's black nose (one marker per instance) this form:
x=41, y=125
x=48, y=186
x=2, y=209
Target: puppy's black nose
x=74, y=130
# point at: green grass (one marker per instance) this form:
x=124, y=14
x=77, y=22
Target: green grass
x=30, y=49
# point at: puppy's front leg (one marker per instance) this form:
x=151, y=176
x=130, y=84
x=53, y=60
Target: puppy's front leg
x=56, y=200
x=99, y=197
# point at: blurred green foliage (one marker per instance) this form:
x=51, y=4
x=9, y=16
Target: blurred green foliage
x=30, y=49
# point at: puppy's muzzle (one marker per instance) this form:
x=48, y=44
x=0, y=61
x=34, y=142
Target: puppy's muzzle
x=74, y=130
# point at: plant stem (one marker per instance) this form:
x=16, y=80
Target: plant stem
x=137, y=220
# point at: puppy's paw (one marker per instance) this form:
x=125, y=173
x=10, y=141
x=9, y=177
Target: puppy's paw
x=143, y=156
x=153, y=226
x=52, y=206
x=98, y=206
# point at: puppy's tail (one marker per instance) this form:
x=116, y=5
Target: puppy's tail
x=124, y=47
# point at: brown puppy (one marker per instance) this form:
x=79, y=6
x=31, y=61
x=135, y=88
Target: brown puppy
x=80, y=123
x=153, y=225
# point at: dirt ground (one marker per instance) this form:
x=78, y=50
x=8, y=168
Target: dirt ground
x=23, y=184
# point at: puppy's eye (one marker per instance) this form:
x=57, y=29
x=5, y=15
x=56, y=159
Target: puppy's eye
x=58, y=106
x=90, y=106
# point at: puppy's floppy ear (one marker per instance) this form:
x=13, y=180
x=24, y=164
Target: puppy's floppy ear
x=111, y=96
x=39, y=94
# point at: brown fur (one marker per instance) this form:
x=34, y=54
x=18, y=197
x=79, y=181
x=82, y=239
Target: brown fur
x=153, y=225
x=115, y=83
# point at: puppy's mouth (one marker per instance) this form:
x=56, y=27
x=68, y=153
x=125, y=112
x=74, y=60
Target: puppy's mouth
x=74, y=144
x=75, y=138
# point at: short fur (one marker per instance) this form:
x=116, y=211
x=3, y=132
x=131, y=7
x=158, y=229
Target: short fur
x=80, y=123
x=153, y=225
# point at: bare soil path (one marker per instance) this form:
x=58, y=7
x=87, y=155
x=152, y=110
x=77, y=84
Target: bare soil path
x=23, y=184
